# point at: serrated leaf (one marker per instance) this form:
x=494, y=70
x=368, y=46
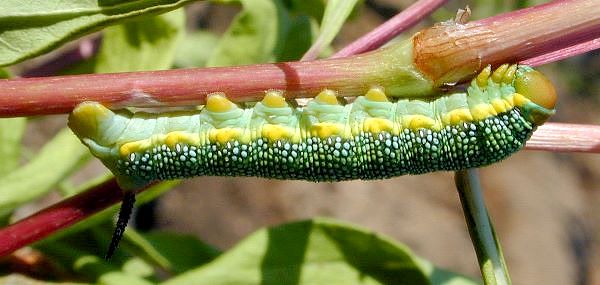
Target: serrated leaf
x=30, y=28
x=252, y=36
x=57, y=159
x=318, y=251
x=145, y=44
x=336, y=13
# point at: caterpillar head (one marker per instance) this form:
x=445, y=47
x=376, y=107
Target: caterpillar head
x=539, y=90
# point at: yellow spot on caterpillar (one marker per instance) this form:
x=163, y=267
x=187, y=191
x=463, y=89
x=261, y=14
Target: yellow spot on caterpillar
x=498, y=74
x=219, y=103
x=483, y=76
x=457, y=116
x=416, y=122
x=325, y=130
x=520, y=100
x=131, y=147
x=276, y=132
x=376, y=94
x=224, y=135
x=500, y=105
x=377, y=125
x=483, y=111
x=274, y=99
x=327, y=97
x=509, y=76
x=173, y=138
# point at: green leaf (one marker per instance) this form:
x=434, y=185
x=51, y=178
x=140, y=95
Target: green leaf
x=252, y=36
x=57, y=159
x=93, y=268
x=15, y=278
x=319, y=251
x=4, y=74
x=312, y=8
x=173, y=252
x=336, y=13
x=438, y=276
x=11, y=132
x=145, y=44
x=195, y=49
x=30, y=28
x=298, y=39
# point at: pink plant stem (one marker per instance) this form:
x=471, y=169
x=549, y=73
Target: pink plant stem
x=563, y=53
x=561, y=137
x=58, y=216
x=391, y=28
x=60, y=94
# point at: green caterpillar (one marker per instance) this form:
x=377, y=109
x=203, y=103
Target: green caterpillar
x=370, y=138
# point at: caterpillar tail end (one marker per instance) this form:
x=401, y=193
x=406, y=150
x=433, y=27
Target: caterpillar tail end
x=87, y=119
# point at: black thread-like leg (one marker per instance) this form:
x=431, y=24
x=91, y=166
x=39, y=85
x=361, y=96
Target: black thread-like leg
x=124, y=215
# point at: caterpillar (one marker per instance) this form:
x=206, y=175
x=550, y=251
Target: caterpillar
x=370, y=138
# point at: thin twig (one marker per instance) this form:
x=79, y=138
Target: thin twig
x=561, y=54
x=489, y=253
x=561, y=137
x=58, y=216
x=391, y=28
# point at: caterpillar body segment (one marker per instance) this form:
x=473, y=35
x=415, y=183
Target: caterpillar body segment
x=326, y=140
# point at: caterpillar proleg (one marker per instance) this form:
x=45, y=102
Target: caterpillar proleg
x=370, y=138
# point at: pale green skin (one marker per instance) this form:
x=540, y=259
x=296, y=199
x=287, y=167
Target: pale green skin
x=363, y=156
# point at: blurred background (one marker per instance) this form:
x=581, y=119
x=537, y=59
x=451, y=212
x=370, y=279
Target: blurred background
x=545, y=206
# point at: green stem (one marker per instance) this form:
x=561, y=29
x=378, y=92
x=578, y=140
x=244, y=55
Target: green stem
x=489, y=253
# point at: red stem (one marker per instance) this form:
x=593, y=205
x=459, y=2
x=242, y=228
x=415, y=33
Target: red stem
x=60, y=94
x=58, y=216
x=561, y=54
